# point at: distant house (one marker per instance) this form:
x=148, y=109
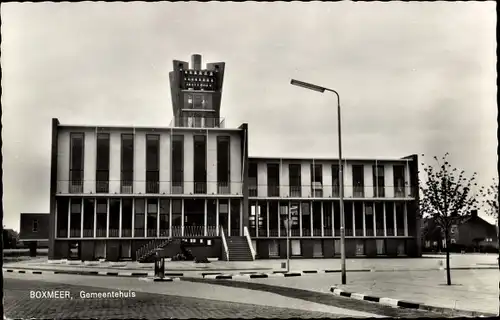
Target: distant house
x=10, y=239
x=34, y=229
x=473, y=235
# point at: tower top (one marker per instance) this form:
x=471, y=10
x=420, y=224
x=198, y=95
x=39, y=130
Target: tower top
x=196, y=61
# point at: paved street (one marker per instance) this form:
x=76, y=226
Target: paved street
x=474, y=290
x=178, y=299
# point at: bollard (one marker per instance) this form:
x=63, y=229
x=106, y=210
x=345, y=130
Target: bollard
x=283, y=265
x=159, y=267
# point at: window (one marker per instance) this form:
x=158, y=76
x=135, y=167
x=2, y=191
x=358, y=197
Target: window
x=139, y=218
x=152, y=163
x=335, y=180
x=295, y=180
x=252, y=177
x=164, y=216
x=127, y=163
x=177, y=163
x=114, y=217
x=176, y=212
x=62, y=217
x=305, y=208
x=369, y=219
x=75, y=218
x=296, y=248
x=35, y=226
x=378, y=181
x=389, y=215
x=273, y=179
x=151, y=222
x=358, y=181
x=127, y=216
x=101, y=217
x=76, y=162
x=88, y=217
x=223, y=163
x=200, y=163
x=102, y=164
x=399, y=181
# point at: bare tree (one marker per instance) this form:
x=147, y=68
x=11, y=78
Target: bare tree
x=490, y=204
x=447, y=199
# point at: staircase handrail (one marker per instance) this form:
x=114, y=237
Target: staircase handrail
x=224, y=243
x=249, y=240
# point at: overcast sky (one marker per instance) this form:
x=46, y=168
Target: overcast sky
x=413, y=78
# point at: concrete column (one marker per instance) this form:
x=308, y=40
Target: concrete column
x=229, y=217
x=69, y=218
x=333, y=220
x=374, y=221
x=300, y=219
x=406, y=219
x=364, y=220
x=217, y=217
x=311, y=216
x=95, y=218
x=145, y=217
x=170, y=217
x=205, y=219
x=395, y=222
x=267, y=217
x=182, y=217
x=158, y=217
x=279, y=219
x=385, y=221
x=81, y=220
x=107, y=218
x=121, y=218
x=257, y=217
x=353, y=221
x=133, y=218
x=322, y=221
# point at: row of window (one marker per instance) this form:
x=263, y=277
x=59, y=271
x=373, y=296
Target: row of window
x=152, y=161
x=358, y=177
x=296, y=247
x=322, y=218
x=144, y=217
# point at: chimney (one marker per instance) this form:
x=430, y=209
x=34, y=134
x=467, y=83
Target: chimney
x=473, y=213
x=196, y=62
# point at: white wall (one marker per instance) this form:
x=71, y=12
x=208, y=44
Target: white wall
x=212, y=163
x=285, y=179
x=369, y=183
x=90, y=159
x=140, y=162
x=348, y=190
x=327, y=178
x=262, y=179
x=305, y=173
x=63, y=159
x=389, y=180
x=115, y=141
x=236, y=163
x=165, y=154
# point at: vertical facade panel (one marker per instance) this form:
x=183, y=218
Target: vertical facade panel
x=369, y=183
x=89, y=162
x=285, y=179
x=188, y=163
x=165, y=164
x=63, y=159
x=211, y=163
x=305, y=172
x=389, y=180
x=115, y=147
x=348, y=187
x=262, y=179
x=236, y=164
x=327, y=179
x=140, y=162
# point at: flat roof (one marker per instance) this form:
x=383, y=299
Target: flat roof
x=298, y=158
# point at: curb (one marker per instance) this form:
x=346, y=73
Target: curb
x=154, y=279
x=86, y=273
x=407, y=304
x=276, y=274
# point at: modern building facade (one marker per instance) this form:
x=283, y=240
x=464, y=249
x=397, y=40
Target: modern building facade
x=114, y=189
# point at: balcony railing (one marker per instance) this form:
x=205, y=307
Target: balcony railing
x=273, y=191
x=139, y=232
x=101, y=233
x=152, y=186
x=152, y=233
x=74, y=233
x=200, y=187
x=223, y=188
x=102, y=186
x=295, y=191
x=231, y=188
x=88, y=233
x=176, y=231
x=327, y=231
x=114, y=233
x=126, y=233
x=317, y=232
x=192, y=122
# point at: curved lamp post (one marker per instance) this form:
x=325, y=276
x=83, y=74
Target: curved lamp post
x=341, y=191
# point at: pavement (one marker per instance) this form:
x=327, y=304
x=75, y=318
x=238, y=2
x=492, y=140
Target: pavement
x=178, y=299
x=471, y=290
x=416, y=280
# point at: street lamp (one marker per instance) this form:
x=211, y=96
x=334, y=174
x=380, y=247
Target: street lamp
x=341, y=191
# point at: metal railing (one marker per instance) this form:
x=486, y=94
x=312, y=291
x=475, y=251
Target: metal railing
x=88, y=233
x=127, y=233
x=200, y=122
x=102, y=186
x=100, y=233
x=273, y=191
x=114, y=233
x=152, y=233
x=317, y=232
x=152, y=186
x=295, y=191
x=74, y=233
x=223, y=188
x=139, y=232
x=327, y=232
x=200, y=187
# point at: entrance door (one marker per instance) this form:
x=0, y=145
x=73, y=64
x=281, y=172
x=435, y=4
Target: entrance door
x=223, y=216
x=126, y=250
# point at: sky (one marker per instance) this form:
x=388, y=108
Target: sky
x=414, y=78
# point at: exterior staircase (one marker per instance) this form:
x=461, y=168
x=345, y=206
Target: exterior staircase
x=147, y=252
x=238, y=249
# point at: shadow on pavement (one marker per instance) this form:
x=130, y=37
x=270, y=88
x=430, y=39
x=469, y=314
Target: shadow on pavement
x=324, y=298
